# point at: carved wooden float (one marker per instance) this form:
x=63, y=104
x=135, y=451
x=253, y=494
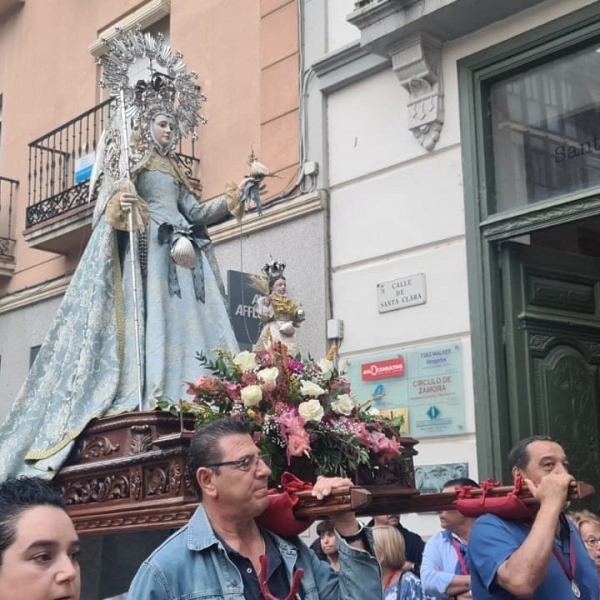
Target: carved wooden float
x=128, y=473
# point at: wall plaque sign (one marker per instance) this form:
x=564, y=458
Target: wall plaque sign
x=401, y=293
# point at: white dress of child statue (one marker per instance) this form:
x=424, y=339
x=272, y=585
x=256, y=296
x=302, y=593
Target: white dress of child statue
x=280, y=315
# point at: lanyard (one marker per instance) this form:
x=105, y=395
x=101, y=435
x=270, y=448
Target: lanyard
x=461, y=558
x=569, y=572
x=388, y=581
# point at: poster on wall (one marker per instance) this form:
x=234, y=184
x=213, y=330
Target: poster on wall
x=242, y=298
x=425, y=381
x=430, y=479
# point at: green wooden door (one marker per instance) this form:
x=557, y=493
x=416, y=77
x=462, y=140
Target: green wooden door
x=551, y=304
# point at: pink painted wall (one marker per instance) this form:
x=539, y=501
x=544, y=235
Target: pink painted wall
x=246, y=55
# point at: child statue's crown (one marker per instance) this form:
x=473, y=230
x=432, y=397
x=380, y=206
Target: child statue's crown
x=274, y=270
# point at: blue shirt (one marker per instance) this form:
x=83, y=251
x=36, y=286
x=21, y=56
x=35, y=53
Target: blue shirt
x=410, y=588
x=439, y=565
x=193, y=563
x=493, y=540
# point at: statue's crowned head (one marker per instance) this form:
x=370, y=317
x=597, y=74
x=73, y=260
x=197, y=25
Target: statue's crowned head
x=166, y=99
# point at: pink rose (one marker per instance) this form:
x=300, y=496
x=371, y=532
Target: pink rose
x=297, y=445
x=385, y=447
x=204, y=385
x=232, y=390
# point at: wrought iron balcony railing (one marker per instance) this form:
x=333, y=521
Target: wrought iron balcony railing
x=8, y=188
x=58, y=181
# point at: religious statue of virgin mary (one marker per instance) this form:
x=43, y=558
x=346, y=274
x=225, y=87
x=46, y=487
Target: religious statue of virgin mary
x=147, y=294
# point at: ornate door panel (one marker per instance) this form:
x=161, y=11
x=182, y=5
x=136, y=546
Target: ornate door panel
x=551, y=304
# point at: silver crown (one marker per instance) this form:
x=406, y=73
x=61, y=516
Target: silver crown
x=169, y=88
x=273, y=270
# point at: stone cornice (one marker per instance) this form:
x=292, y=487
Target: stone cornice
x=38, y=293
x=145, y=16
x=274, y=214
x=347, y=65
x=386, y=22
x=412, y=35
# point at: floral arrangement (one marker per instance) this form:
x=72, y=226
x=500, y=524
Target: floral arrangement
x=298, y=410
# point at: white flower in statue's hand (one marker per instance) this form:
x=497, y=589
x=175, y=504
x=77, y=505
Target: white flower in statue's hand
x=344, y=405
x=268, y=378
x=258, y=169
x=326, y=367
x=251, y=395
x=311, y=410
x=246, y=361
x=308, y=388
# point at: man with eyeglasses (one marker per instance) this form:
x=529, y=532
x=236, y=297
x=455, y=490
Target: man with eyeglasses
x=542, y=558
x=216, y=555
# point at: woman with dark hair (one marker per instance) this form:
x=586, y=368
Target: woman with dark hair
x=327, y=547
x=39, y=548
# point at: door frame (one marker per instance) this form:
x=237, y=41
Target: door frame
x=486, y=231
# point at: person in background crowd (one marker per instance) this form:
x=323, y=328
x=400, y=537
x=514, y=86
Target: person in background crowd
x=444, y=570
x=542, y=557
x=589, y=527
x=398, y=582
x=327, y=548
x=39, y=548
x=414, y=544
x=221, y=551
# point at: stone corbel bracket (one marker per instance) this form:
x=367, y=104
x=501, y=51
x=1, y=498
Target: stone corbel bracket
x=417, y=64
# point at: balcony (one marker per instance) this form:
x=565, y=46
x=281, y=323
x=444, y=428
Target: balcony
x=59, y=213
x=8, y=188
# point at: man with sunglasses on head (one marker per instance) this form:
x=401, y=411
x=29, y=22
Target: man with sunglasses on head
x=216, y=555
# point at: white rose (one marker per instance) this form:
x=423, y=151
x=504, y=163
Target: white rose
x=258, y=169
x=269, y=378
x=308, y=388
x=251, y=395
x=246, y=361
x=311, y=410
x=326, y=367
x=344, y=405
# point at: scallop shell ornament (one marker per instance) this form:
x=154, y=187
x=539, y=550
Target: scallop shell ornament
x=183, y=253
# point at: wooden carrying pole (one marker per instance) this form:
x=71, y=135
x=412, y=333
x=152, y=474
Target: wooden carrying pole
x=391, y=499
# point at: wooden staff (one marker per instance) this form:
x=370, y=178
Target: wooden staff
x=393, y=499
x=348, y=499
x=446, y=500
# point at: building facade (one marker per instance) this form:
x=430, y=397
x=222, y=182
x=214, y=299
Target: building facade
x=436, y=200
x=52, y=111
x=458, y=145
x=247, y=57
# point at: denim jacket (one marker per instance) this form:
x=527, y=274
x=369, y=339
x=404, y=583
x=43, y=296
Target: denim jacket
x=193, y=564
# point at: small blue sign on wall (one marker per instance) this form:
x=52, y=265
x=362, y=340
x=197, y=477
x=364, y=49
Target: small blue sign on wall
x=84, y=166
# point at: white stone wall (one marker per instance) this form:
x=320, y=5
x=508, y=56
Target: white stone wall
x=397, y=210
x=21, y=330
